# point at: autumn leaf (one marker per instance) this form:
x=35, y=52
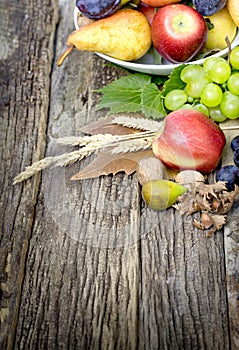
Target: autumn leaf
x=107, y=163
x=120, y=124
x=105, y=126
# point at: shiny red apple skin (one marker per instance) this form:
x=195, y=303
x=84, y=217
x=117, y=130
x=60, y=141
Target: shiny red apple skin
x=189, y=140
x=148, y=11
x=178, y=32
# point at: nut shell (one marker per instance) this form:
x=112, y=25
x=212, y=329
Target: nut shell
x=150, y=168
x=189, y=176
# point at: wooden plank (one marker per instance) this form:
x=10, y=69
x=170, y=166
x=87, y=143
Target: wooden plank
x=27, y=37
x=231, y=235
x=81, y=277
x=73, y=271
x=77, y=296
x=183, y=302
x=231, y=247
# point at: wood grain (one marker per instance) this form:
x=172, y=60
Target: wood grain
x=183, y=298
x=85, y=265
x=81, y=283
x=27, y=38
x=231, y=236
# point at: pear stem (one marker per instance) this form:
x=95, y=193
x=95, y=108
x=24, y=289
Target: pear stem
x=62, y=58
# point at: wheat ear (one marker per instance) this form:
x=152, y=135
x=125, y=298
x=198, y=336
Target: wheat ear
x=137, y=123
x=93, y=144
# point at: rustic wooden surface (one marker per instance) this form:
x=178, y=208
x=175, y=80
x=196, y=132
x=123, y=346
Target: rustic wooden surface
x=85, y=265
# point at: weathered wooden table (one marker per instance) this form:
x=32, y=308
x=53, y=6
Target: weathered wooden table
x=83, y=265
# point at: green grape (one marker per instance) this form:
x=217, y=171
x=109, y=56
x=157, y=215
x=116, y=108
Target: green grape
x=210, y=61
x=187, y=106
x=175, y=99
x=201, y=108
x=233, y=83
x=220, y=72
x=190, y=99
x=216, y=114
x=194, y=87
x=211, y=95
x=191, y=71
x=230, y=105
x=234, y=57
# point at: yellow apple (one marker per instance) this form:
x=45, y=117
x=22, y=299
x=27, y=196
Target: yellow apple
x=224, y=26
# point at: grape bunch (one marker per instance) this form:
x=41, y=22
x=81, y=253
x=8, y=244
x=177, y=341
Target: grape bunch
x=230, y=173
x=212, y=89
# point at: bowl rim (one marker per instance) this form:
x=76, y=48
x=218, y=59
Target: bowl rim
x=157, y=67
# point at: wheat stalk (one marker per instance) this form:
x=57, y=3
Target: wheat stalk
x=83, y=140
x=235, y=127
x=57, y=161
x=92, y=144
x=137, y=123
x=132, y=146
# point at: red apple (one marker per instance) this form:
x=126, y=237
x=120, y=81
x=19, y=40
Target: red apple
x=178, y=32
x=148, y=11
x=160, y=3
x=189, y=140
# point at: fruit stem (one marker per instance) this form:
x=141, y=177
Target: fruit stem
x=62, y=58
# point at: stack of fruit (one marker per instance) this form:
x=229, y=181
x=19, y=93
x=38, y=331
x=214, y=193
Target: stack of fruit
x=178, y=30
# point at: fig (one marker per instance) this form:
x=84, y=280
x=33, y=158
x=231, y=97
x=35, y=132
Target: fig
x=189, y=140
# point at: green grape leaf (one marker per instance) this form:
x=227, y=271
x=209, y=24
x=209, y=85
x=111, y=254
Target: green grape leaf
x=174, y=81
x=124, y=94
x=159, y=79
x=152, y=102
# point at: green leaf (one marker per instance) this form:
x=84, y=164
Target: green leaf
x=159, y=79
x=124, y=94
x=152, y=102
x=174, y=81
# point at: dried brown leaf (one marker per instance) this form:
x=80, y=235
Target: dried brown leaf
x=105, y=126
x=106, y=163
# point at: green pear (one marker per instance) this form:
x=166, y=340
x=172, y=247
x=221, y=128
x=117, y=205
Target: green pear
x=125, y=35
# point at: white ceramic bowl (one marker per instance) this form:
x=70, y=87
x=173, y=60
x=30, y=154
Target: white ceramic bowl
x=145, y=63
